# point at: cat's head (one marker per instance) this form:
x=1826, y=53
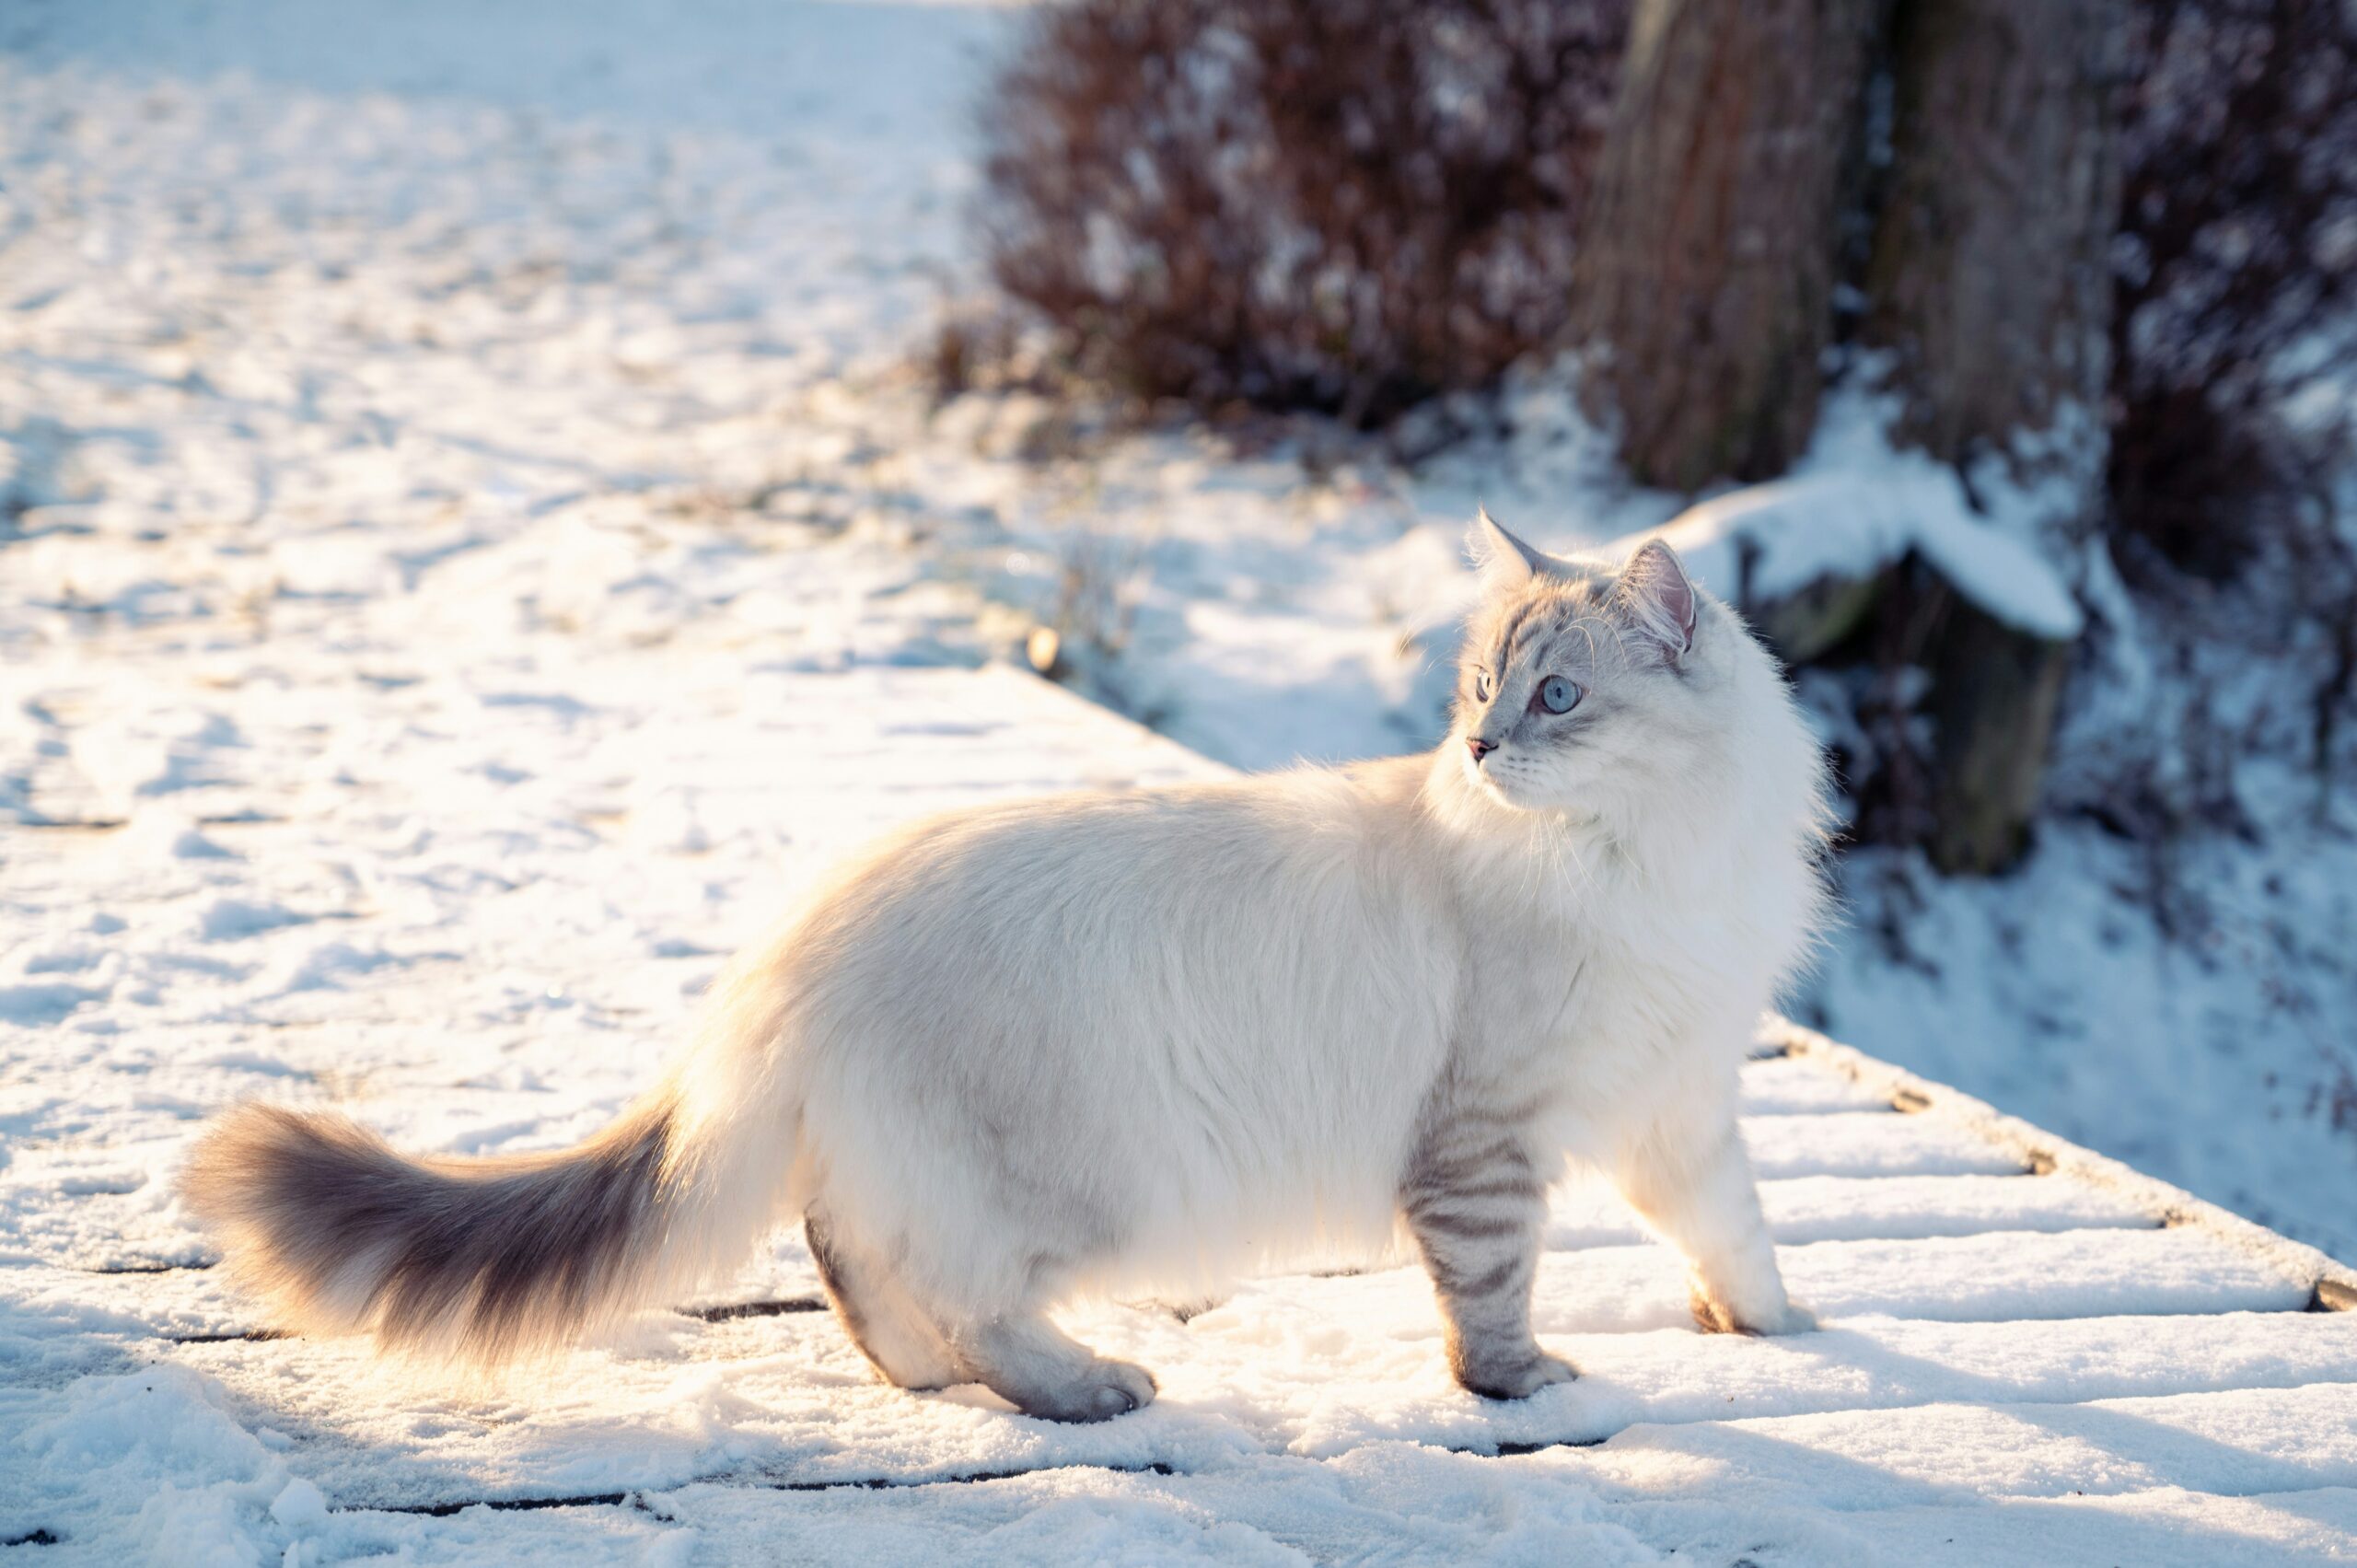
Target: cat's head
x=1596, y=688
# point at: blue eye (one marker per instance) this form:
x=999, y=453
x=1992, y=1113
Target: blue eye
x=1482, y=686
x=1558, y=695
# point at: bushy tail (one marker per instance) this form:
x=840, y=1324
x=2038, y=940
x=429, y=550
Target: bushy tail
x=478, y=1260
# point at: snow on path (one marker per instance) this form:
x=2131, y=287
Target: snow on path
x=536, y=952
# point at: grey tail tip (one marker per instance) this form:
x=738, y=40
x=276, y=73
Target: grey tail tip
x=472, y=1260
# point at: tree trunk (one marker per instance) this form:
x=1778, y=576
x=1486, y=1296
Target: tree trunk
x=1994, y=694
x=1706, y=267
x=1991, y=284
x=1992, y=274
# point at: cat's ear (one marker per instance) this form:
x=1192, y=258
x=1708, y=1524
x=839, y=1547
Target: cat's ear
x=1658, y=600
x=1503, y=561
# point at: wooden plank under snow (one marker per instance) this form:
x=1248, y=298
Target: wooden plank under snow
x=2028, y=1351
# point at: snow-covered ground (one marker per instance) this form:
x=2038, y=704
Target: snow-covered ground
x=470, y=544
x=357, y=891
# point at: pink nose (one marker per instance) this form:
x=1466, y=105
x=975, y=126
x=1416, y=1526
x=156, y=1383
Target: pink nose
x=1478, y=747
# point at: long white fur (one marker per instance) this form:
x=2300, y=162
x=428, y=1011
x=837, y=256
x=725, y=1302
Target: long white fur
x=1141, y=1043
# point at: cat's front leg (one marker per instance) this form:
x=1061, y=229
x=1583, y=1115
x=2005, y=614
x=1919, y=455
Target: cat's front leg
x=1474, y=1201
x=1689, y=1178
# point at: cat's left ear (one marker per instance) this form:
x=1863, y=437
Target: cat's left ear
x=1503, y=561
x=1658, y=599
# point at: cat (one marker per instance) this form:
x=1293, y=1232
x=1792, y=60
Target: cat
x=1139, y=1043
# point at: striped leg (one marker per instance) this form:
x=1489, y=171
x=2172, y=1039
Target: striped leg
x=1691, y=1180
x=1474, y=1203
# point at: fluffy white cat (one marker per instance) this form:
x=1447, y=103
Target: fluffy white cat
x=1139, y=1043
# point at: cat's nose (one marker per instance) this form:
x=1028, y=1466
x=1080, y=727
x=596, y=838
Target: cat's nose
x=1478, y=747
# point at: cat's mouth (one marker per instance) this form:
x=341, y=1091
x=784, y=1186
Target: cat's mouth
x=1494, y=783
x=1514, y=794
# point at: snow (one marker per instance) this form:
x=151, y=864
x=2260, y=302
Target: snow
x=1965, y=1301
x=470, y=548
x=1766, y=542
x=1866, y=1143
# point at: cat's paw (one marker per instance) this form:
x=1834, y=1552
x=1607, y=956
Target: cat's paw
x=1107, y=1390
x=1717, y=1318
x=1515, y=1380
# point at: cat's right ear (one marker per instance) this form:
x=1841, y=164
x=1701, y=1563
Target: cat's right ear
x=1658, y=599
x=1503, y=561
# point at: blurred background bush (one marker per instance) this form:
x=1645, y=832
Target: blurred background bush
x=1346, y=207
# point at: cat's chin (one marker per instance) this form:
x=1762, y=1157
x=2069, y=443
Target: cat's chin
x=1496, y=790
x=1500, y=792
x=1484, y=786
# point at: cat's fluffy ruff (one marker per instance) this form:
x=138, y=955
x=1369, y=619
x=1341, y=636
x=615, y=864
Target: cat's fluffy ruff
x=1140, y=1043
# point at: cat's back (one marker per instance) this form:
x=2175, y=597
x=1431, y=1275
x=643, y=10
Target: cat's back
x=1296, y=901
x=1283, y=836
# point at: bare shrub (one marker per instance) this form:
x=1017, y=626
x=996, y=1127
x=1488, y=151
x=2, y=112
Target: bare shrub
x=1344, y=205
x=2236, y=272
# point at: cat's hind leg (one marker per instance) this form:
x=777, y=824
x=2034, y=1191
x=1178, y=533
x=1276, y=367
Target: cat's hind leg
x=1474, y=1201
x=1041, y=1370
x=883, y=1319
x=1022, y=1357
